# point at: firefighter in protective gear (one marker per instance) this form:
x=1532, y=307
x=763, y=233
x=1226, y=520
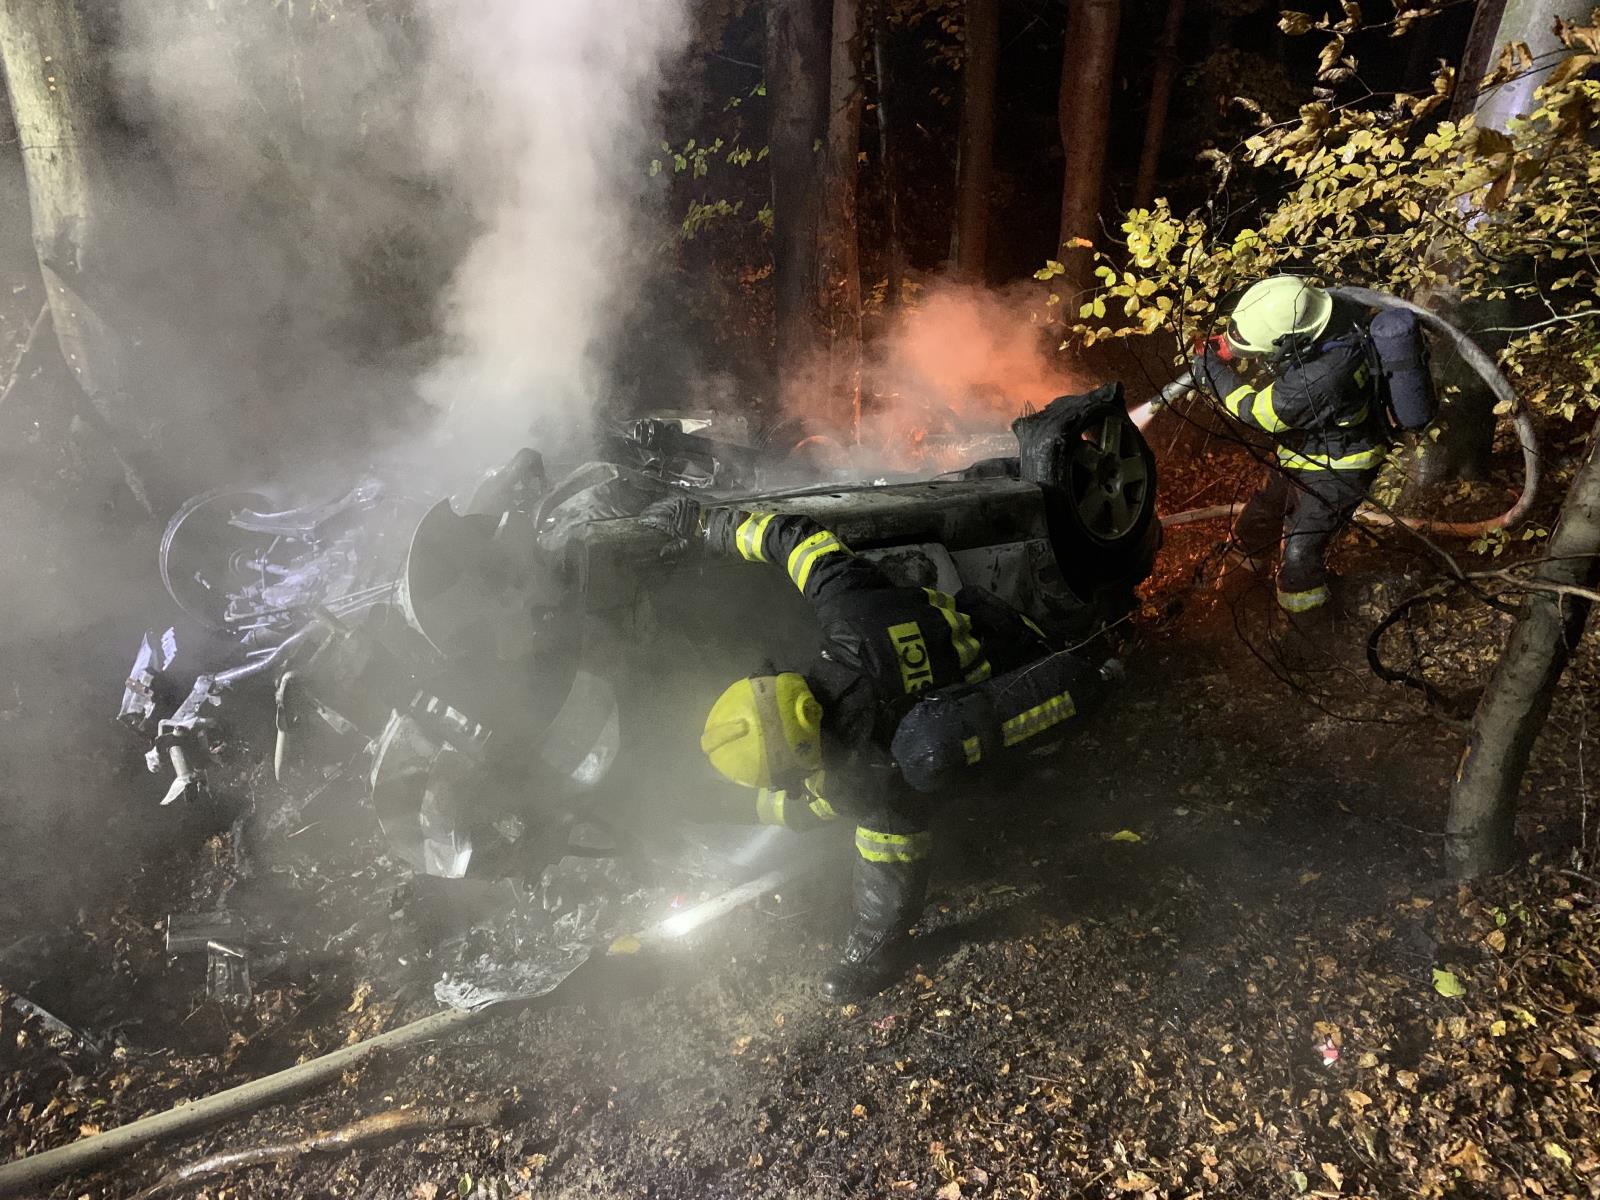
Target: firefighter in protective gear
x=1321, y=411
x=816, y=745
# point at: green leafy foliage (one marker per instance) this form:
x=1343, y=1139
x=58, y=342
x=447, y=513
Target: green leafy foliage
x=1380, y=192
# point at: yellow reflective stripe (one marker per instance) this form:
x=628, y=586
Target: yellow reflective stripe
x=968, y=649
x=804, y=556
x=1298, y=602
x=752, y=531
x=911, y=652
x=1038, y=718
x=1234, y=400
x=1352, y=422
x=769, y=806
x=1293, y=460
x=1264, y=414
x=892, y=847
x=974, y=750
x=819, y=803
x=1028, y=621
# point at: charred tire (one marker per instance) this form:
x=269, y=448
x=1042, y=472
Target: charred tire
x=1099, y=479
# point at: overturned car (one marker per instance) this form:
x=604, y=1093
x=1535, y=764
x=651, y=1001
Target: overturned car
x=523, y=680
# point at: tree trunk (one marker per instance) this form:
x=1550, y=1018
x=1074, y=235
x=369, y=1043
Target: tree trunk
x=797, y=78
x=1477, y=55
x=969, y=243
x=1465, y=444
x=56, y=77
x=888, y=167
x=1088, y=63
x=1533, y=22
x=1483, y=803
x=840, y=256
x=1155, y=122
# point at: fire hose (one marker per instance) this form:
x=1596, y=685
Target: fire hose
x=187, y=1117
x=1476, y=357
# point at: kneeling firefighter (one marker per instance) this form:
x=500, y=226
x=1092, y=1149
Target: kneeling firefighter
x=911, y=689
x=1341, y=386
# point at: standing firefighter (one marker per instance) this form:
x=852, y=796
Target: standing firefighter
x=1320, y=408
x=912, y=686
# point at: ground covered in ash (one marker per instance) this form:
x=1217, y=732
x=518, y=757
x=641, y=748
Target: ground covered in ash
x=1205, y=950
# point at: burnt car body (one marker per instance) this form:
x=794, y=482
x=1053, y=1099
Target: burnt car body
x=524, y=680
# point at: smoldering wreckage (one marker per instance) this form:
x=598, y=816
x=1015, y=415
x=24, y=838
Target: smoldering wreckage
x=500, y=693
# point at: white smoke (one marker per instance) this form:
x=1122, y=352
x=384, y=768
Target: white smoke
x=492, y=151
x=539, y=113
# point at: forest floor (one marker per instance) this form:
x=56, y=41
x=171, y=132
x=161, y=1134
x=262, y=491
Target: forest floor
x=1209, y=950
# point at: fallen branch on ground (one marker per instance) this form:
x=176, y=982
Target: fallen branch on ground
x=378, y=1129
x=21, y=366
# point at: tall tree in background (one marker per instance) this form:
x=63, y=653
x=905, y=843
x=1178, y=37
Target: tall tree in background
x=1155, y=122
x=1088, y=63
x=797, y=75
x=888, y=161
x=837, y=234
x=969, y=248
x=56, y=77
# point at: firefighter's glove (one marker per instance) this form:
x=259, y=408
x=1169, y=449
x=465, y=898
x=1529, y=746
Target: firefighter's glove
x=1216, y=344
x=678, y=519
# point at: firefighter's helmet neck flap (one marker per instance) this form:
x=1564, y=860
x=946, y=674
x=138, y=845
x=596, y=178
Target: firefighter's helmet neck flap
x=1279, y=317
x=765, y=731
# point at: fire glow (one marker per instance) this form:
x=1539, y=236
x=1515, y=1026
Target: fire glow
x=947, y=380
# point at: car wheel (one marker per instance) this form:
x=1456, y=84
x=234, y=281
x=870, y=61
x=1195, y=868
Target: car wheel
x=1099, y=479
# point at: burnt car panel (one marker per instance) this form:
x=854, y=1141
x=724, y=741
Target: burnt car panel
x=526, y=679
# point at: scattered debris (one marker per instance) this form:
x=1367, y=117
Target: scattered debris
x=60, y=1031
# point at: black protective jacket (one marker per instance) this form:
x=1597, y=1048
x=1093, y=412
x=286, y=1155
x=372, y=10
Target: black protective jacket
x=1320, y=408
x=883, y=645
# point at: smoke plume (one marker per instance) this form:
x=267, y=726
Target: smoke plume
x=340, y=233
x=368, y=205
x=538, y=115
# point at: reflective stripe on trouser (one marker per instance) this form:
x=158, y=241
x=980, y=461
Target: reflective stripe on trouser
x=888, y=895
x=804, y=556
x=1299, y=602
x=1304, y=510
x=876, y=846
x=1320, y=504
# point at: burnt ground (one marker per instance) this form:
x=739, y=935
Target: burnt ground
x=1205, y=950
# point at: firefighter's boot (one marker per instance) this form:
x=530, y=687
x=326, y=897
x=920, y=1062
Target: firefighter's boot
x=891, y=879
